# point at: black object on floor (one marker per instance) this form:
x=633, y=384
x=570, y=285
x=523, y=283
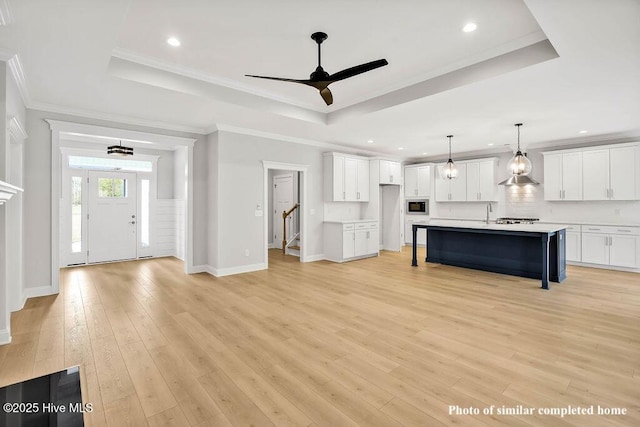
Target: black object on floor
x=48, y=401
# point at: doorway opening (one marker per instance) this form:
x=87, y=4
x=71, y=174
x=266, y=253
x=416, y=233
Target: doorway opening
x=285, y=223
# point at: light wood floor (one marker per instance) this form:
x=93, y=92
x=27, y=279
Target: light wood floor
x=372, y=342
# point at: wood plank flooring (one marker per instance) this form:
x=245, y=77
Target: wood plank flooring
x=372, y=342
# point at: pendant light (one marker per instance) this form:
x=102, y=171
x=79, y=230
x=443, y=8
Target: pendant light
x=450, y=171
x=119, y=150
x=519, y=163
x=519, y=167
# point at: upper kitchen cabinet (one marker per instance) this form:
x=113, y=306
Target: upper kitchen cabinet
x=417, y=181
x=452, y=190
x=563, y=176
x=346, y=178
x=390, y=172
x=611, y=173
x=481, y=181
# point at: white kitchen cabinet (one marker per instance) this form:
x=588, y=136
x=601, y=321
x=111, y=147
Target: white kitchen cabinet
x=573, y=243
x=417, y=181
x=346, y=178
x=349, y=241
x=390, y=172
x=608, y=172
x=611, y=245
x=451, y=190
x=563, y=176
x=611, y=173
x=481, y=181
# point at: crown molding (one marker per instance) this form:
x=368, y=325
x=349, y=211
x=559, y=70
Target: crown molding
x=6, y=17
x=16, y=130
x=295, y=140
x=114, y=118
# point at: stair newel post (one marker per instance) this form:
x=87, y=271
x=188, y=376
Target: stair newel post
x=284, y=232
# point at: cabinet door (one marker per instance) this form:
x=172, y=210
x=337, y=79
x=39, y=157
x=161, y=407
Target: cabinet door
x=553, y=177
x=458, y=186
x=395, y=172
x=348, y=244
x=595, y=179
x=624, y=172
x=473, y=181
x=361, y=242
x=442, y=185
x=350, y=179
x=487, y=184
x=572, y=176
x=338, y=178
x=623, y=251
x=573, y=246
x=410, y=182
x=385, y=172
x=373, y=242
x=595, y=248
x=362, y=189
x=423, y=181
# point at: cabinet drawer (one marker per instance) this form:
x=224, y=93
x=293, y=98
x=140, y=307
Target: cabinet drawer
x=366, y=225
x=611, y=229
x=347, y=227
x=573, y=228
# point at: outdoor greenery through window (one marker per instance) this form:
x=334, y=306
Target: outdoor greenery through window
x=112, y=187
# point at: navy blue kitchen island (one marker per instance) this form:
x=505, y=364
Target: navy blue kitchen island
x=536, y=251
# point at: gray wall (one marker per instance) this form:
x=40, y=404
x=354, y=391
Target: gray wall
x=37, y=196
x=240, y=188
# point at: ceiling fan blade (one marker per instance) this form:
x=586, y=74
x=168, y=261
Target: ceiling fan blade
x=358, y=69
x=279, y=79
x=327, y=96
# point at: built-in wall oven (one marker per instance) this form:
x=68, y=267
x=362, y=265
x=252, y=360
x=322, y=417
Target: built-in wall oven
x=417, y=207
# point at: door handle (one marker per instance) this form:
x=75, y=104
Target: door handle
x=132, y=222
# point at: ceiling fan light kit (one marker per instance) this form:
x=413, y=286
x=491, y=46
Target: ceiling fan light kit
x=320, y=79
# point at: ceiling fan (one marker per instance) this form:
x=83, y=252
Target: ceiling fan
x=321, y=80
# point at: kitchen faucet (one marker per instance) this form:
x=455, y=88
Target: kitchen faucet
x=489, y=209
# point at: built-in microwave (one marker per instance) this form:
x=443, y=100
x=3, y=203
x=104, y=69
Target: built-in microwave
x=417, y=207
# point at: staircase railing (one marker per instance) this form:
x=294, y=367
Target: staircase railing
x=286, y=214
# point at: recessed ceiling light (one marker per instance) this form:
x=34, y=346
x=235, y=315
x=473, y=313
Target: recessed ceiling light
x=583, y=131
x=172, y=41
x=469, y=27
x=370, y=141
x=425, y=153
x=400, y=148
x=491, y=143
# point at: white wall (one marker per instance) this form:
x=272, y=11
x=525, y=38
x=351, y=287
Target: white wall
x=240, y=190
x=37, y=196
x=213, y=194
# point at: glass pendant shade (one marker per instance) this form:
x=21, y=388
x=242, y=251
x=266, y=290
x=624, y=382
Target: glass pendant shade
x=519, y=164
x=449, y=171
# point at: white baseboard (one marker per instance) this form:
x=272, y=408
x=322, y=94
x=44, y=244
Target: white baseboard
x=5, y=336
x=200, y=269
x=220, y=272
x=604, y=267
x=274, y=246
x=40, y=291
x=313, y=258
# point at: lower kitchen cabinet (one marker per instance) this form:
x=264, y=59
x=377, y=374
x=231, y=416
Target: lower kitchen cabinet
x=611, y=245
x=574, y=243
x=345, y=241
x=408, y=232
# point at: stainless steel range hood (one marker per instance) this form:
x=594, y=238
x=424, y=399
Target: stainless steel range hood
x=519, y=180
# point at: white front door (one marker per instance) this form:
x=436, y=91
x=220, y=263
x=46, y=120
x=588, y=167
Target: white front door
x=112, y=222
x=283, y=200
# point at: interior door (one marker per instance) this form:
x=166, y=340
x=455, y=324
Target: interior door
x=282, y=201
x=112, y=216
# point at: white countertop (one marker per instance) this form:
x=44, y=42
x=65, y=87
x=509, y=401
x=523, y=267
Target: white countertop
x=350, y=221
x=480, y=225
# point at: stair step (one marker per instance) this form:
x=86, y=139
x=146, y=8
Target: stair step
x=297, y=248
